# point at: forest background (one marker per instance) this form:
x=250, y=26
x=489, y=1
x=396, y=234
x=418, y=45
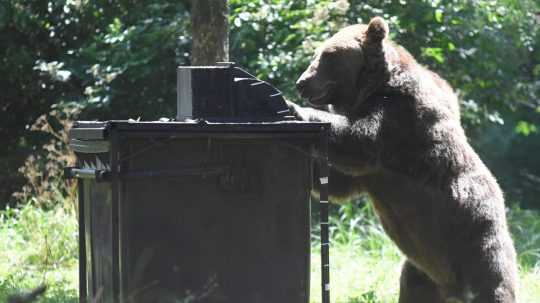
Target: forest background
x=116, y=60
x=78, y=59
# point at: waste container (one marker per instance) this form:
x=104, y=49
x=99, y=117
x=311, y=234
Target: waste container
x=201, y=210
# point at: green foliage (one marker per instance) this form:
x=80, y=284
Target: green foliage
x=525, y=128
x=116, y=60
x=365, y=264
x=104, y=57
x=39, y=246
x=355, y=224
x=276, y=39
x=498, y=42
x=130, y=65
x=525, y=227
x=44, y=172
x=489, y=51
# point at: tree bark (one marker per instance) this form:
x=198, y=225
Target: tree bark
x=210, y=32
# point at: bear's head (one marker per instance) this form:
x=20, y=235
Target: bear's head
x=348, y=67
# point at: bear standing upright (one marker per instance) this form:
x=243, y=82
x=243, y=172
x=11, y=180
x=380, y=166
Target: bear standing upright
x=396, y=134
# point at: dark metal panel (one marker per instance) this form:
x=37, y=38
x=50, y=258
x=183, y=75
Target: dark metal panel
x=86, y=229
x=100, y=241
x=176, y=173
x=211, y=92
x=227, y=92
x=115, y=216
x=189, y=202
x=248, y=230
x=95, y=209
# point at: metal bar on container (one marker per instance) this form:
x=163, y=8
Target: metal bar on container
x=183, y=172
x=82, y=245
x=247, y=136
x=98, y=133
x=323, y=200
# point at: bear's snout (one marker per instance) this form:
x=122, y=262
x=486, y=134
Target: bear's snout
x=307, y=85
x=315, y=92
x=301, y=86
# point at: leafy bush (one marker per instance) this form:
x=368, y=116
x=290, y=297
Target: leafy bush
x=43, y=170
x=117, y=60
x=112, y=59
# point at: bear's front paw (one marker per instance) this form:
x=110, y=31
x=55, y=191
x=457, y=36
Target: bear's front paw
x=294, y=109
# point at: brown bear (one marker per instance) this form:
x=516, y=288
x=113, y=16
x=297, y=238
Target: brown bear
x=396, y=135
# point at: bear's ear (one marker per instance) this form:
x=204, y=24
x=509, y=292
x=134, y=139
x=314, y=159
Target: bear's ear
x=377, y=30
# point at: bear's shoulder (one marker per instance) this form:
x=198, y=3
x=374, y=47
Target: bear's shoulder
x=409, y=78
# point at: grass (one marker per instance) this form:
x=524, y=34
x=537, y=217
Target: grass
x=358, y=277
x=365, y=264
x=40, y=246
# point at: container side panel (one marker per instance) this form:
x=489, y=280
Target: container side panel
x=88, y=242
x=239, y=236
x=101, y=241
x=97, y=228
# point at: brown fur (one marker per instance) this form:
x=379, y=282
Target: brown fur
x=396, y=135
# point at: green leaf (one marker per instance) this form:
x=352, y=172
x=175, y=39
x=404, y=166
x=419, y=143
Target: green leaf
x=536, y=70
x=525, y=128
x=439, y=15
x=435, y=53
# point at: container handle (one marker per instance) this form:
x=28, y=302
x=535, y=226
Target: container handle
x=86, y=173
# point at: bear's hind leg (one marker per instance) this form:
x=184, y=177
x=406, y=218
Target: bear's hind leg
x=493, y=291
x=417, y=287
x=493, y=277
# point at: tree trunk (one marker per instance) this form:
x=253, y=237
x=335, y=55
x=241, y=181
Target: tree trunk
x=210, y=32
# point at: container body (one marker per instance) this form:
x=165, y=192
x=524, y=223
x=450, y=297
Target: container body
x=171, y=211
